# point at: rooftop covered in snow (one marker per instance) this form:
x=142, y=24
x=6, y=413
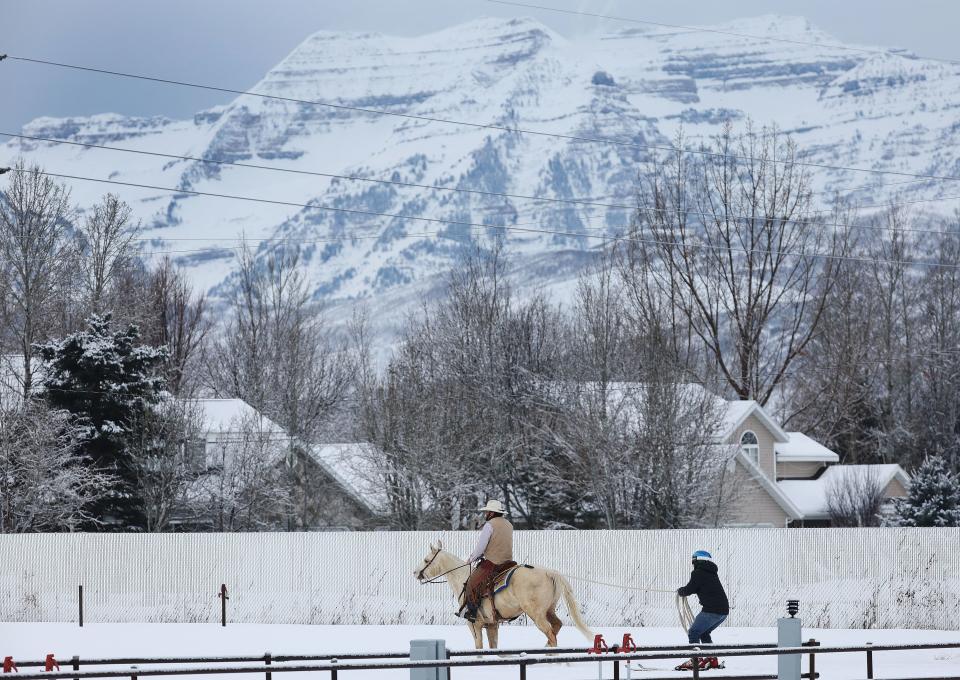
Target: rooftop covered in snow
x=810, y=496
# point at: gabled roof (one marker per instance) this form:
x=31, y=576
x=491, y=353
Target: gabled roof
x=349, y=465
x=227, y=415
x=739, y=411
x=802, y=449
x=810, y=495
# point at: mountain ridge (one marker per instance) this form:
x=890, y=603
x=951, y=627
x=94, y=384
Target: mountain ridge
x=635, y=88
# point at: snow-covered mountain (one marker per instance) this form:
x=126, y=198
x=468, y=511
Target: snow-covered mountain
x=843, y=107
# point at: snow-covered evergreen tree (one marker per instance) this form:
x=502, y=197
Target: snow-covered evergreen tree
x=934, y=498
x=105, y=378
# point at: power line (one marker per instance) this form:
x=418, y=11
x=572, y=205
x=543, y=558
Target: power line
x=609, y=206
x=478, y=126
x=555, y=232
x=354, y=178
x=577, y=202
x=701, y=29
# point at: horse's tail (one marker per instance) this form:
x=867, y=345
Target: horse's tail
x=561, y=584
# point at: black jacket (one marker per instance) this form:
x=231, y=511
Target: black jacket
x=705, y=584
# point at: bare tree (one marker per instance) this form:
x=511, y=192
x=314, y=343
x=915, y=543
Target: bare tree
x=642, y=441
x=939, y=330
x=458, y=416
x=276, y=351
x=45, y=484
x=34, y=216
x=737, y=249
x=175, y=317
x=167, y=456
x=245, y=486
x=600, y=374
x=856, y=498
x=104, y=245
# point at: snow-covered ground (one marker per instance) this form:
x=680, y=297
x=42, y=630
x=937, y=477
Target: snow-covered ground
x=33, y=641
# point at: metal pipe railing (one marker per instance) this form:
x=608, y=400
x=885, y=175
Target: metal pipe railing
x=281, y=658
x=334, y=666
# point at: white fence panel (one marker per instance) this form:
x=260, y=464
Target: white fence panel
x=874, y=578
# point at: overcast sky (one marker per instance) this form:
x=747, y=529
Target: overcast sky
x=231, y=43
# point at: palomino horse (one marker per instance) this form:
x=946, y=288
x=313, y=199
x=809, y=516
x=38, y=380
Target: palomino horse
x=534, y=592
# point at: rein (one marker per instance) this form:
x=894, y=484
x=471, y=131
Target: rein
x=436, y=578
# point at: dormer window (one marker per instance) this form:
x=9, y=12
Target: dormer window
x=750, y=447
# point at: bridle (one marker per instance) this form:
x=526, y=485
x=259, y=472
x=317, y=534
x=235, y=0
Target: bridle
x=436, y=553
x=436, y=579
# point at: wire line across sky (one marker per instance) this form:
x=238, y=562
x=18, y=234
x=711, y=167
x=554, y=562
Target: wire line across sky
x=480, y=126
x=556, y=232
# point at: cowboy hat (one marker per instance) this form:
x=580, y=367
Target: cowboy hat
x=493, y=505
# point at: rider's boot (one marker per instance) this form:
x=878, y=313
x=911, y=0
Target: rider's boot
x=468, y=611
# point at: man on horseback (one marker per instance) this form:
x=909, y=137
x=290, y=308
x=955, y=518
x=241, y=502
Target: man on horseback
x=494, y=549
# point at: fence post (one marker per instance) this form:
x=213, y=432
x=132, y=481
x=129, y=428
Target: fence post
x=812, y=670
x=75, y=662
x=695, y=660
x=869, y=662
x=223, y=604
x=266, y=660
x=523, y=666
x=333, y=671
x=428, y=650
x=80, y=603
x=133, y=673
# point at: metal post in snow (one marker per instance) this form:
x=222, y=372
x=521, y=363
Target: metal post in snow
x=266, y=660
x=333, y=671
x=80, y=603
x=812, y=671
x=869, y=662
x=75, y=662
x=695, y=659
x=223, y=604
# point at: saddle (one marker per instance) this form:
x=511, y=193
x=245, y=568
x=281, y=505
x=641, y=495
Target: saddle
x=495, y=580
x=490, y=584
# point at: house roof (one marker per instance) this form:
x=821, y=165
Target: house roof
x=227, y=415
x=350, y=466
x=802, y=449
x=810, y=495
x=739, y=411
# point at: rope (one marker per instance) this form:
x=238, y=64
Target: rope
x=684, y=612
x=619, y=585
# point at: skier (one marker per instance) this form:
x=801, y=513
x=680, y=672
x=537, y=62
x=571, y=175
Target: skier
x=705, y=584
x=494, y=549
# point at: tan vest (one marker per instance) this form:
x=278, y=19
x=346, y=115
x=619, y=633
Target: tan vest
x=500, y=547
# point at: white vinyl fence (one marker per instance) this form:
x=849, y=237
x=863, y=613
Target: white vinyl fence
x=844, y=578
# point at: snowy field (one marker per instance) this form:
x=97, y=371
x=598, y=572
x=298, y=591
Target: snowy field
x=32, y=641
